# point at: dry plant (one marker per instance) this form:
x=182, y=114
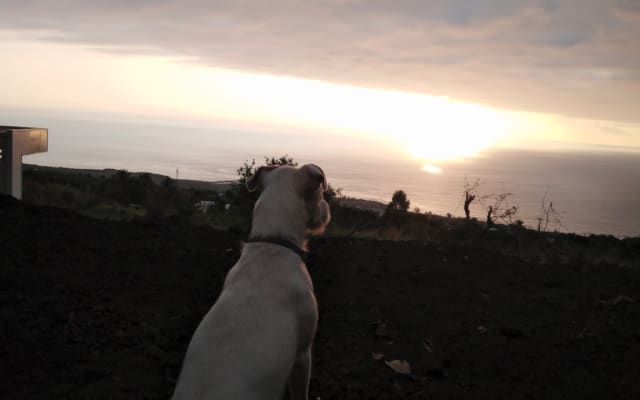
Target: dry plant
x=499, y=207
x=471, y=194
x=501, y=210
x=548, y=215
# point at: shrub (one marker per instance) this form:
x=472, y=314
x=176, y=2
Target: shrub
x=399, y=202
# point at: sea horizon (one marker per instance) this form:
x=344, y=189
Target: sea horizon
x=593, y=191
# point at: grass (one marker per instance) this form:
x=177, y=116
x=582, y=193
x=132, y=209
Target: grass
x=123, y=196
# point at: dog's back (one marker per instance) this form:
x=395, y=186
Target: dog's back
x=265, y=296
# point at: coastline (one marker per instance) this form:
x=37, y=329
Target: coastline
x=218, y=186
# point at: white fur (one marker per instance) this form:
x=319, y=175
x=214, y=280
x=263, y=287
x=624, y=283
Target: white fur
x=255, y=342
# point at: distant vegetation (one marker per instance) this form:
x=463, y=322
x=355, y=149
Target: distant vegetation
x=119, y=195
x=125, y=196
x=399, y=202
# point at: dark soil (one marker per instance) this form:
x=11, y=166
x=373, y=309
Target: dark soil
x=94, y=309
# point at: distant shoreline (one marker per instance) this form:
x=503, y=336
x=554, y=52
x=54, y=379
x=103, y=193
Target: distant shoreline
x=222, y=186
x=218, y=186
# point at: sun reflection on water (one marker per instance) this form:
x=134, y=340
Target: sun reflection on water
x=432, y=169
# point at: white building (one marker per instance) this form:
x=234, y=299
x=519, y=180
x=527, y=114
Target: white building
x=16, y=142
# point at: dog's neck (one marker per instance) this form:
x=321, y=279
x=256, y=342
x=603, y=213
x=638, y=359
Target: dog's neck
x=273, y=219
x=303, y=254
x=269, y=233
x=284, y=235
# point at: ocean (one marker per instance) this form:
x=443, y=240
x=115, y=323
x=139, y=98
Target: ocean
x=592, y=191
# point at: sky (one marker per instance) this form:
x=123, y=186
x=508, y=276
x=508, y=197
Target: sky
x=443, y=78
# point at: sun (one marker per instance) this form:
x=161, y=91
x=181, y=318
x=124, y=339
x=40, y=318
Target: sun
x=455, y=131
x=430, y=128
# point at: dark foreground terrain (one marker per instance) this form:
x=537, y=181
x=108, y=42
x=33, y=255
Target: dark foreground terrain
x=93, y=309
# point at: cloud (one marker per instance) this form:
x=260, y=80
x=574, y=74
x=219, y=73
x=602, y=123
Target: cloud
x=572, y=57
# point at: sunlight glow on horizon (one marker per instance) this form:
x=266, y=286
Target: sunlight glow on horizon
x=430, y=128
x=427, y=128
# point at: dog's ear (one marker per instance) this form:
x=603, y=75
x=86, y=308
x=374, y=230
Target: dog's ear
x=256, y=182
x=315, y=177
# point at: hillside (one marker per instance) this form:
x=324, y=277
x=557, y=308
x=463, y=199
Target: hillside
x=104, y=310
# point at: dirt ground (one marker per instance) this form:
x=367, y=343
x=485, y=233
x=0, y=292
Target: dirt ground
x=95, y=309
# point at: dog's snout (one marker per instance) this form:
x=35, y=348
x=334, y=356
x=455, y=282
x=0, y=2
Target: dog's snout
x=320, y=218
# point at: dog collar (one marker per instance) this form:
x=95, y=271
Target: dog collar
x=281, y=242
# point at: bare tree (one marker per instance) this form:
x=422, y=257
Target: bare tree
x=547, y=215
x=489, y=219
x=499, y=207
x=501, y=210
x=504, y=211
x=470, y=194
x=468, y=199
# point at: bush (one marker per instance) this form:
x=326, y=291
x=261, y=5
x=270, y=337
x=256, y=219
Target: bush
x=399, y=202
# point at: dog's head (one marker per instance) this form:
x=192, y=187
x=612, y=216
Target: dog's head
x=293, y=191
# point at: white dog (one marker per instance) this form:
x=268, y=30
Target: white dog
x=255, y=342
